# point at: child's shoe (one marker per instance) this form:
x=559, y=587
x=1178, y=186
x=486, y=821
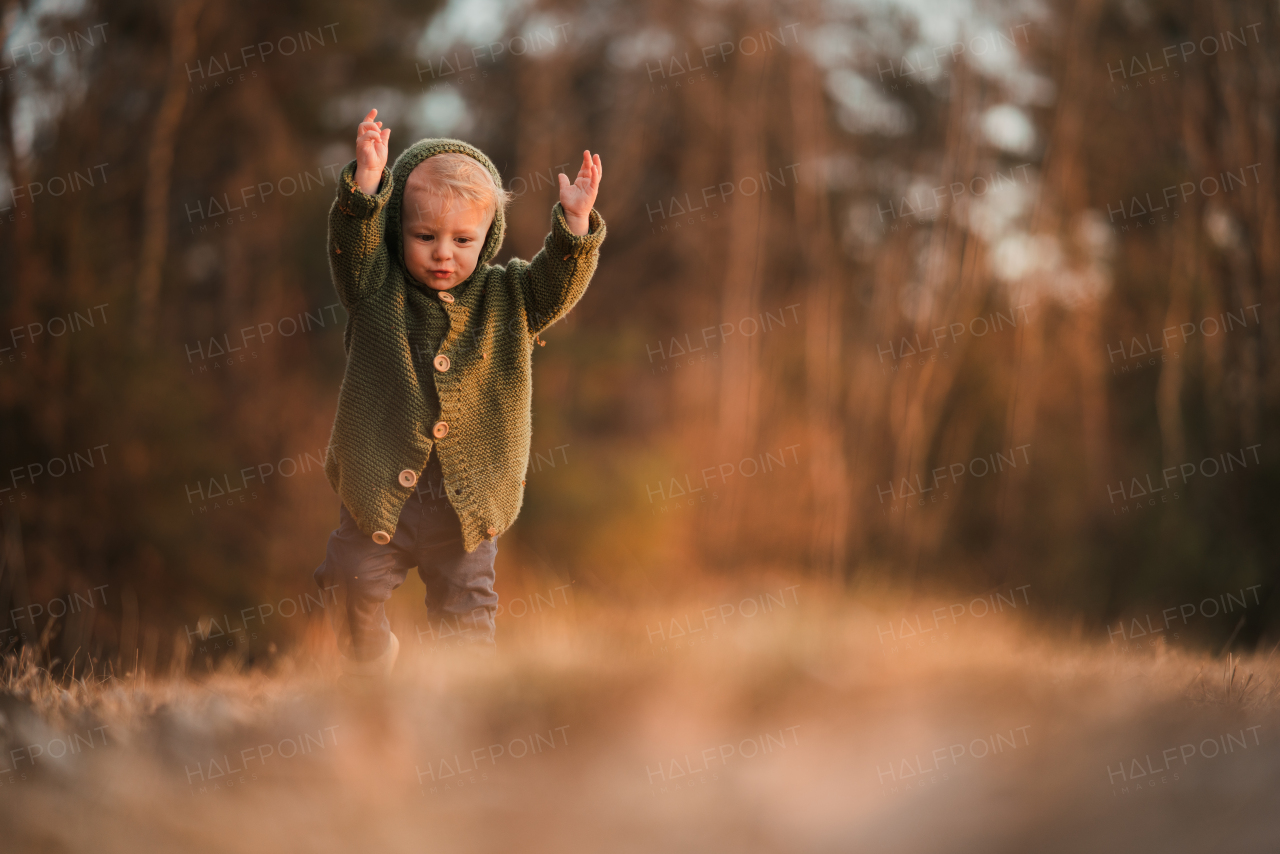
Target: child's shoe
x=375, y=669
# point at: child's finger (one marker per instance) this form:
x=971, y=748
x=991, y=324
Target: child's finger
x=386, y=135
x=368, y=122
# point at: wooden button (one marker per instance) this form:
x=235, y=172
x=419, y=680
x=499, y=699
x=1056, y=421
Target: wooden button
x=445, y=296
x=381, y=537
x=492, y=531
x=408, y=478
x=441, y=362
x=440, y=430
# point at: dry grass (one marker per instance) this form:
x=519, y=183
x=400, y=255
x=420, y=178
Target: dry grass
x=811, y=682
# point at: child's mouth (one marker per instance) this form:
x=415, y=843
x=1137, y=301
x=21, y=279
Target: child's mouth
x=441, y=274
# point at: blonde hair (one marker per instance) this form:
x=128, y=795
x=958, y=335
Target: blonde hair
x=454, y=177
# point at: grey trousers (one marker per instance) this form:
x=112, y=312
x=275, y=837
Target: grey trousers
x=460, y=598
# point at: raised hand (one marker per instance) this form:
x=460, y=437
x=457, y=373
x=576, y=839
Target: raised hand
x=371, y=153
x=579, y=198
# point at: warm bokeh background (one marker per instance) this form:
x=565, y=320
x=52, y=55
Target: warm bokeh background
x=855, y=111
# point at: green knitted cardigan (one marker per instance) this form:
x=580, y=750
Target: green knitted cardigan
x=390, y=401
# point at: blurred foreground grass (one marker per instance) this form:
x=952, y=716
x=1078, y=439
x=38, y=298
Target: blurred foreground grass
x=817, y=724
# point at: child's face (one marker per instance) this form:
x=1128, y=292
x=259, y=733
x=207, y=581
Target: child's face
x=442, y=248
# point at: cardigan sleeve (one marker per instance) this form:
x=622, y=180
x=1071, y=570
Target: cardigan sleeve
x=557, y=277
x=358, y=255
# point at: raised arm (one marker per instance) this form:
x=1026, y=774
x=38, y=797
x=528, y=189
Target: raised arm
x=556, y=278
x=357, y=220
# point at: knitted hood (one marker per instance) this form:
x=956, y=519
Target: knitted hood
x=407, y=162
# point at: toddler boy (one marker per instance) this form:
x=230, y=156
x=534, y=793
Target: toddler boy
x=436, y=397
